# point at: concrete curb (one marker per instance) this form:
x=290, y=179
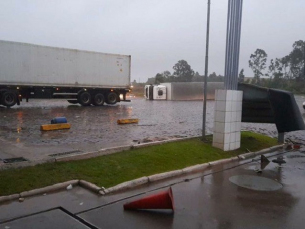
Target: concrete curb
x=89, y=186
x=52, y=188
x=162, y=176
x=9, y=198
x=22, y=164
x=87, y=155
x=135, y=182
x=39, y=191
x=222, y=161
x=127, y=185
x=160, y=142
x=195, y=168
x=112, y=150
x=98, y=153
x=191, y=169
x=253, y=154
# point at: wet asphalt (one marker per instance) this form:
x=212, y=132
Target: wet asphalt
x=95, y=128
x=228, y=196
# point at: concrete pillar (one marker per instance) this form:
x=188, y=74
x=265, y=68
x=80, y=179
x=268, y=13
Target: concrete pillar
x=281, y=138
x=227, y=119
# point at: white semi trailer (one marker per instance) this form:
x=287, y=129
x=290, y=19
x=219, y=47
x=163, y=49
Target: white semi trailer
x=84, y=77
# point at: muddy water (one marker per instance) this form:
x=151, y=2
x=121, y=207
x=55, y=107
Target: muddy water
x=96, y=127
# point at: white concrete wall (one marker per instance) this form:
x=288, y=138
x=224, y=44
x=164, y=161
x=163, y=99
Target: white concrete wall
x=227, y=119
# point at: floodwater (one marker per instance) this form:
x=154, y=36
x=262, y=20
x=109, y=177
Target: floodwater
x=94, y=128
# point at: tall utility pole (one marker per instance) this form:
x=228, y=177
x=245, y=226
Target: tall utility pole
x=206, y=73
x=304, y=57
x=233, y=44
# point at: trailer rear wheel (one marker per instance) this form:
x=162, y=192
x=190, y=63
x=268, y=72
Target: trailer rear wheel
x=98, y=99
x=84, y=98
x=9, y=98
x=111, y=98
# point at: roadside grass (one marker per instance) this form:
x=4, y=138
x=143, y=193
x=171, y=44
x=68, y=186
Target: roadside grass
x=113, y=169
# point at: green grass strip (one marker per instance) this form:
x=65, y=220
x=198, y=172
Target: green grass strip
x=113, y=169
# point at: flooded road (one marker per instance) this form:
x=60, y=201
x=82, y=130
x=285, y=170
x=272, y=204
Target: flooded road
x=94, y=128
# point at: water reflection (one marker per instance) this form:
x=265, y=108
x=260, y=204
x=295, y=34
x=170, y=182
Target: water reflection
x=157, y=119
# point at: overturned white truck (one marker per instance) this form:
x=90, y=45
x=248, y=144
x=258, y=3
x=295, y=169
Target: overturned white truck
x=155, y=92
x=84, y=77
x=183, y=91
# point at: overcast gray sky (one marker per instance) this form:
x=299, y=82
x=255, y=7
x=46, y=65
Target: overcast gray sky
x=156, y=33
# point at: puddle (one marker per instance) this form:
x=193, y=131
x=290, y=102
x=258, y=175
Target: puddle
x=66, y=153
x=14, y=160
x=295, y=156
x=256, y=183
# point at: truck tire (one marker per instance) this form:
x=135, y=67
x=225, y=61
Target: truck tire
x=111, y=98
x=8, y=98
x=84, y=98
x=98, y=99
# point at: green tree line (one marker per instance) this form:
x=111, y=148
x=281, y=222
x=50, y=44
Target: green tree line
x=286, y=73
x=183, y=72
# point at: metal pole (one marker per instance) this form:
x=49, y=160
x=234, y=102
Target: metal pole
x=304, y=57
x=233, y=44
x=281, y=137
x=206, y=73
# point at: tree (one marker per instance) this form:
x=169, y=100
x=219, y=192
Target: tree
x=183, y=71
x=167, y=76
x=275, y=69
x=241, y=76
x=163, y=77
x=296, y=59
x=257, y=63
x=197, y=77
x=159, y=79
x=285, y=62
x=275, y=73
x=271, y=69
x=213, y=77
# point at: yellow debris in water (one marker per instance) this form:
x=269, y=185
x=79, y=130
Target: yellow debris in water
x=128, y=121
x=58, y=126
